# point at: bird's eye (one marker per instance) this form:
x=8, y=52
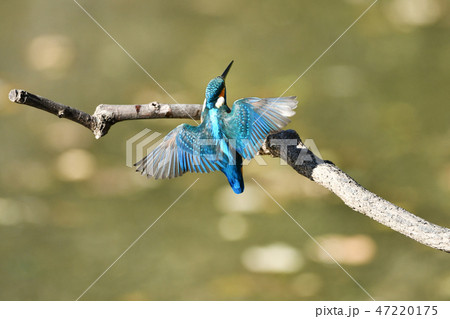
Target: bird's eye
x=220, y=101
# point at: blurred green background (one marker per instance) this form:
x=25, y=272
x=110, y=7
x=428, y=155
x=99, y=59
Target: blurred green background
x=376, y=105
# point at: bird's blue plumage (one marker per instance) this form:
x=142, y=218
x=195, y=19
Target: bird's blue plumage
x=223, y=138
x=233, y=172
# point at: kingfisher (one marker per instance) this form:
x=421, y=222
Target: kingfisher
x=223, y=138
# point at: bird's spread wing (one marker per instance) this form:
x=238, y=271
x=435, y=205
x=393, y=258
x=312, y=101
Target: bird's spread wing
x=252, y=119
x=186, y=148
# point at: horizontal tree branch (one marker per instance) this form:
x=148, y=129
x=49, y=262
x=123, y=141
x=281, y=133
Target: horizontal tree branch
x=296, y=154
x=106, y=115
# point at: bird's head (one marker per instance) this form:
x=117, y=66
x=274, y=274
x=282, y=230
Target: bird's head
x=216, y=93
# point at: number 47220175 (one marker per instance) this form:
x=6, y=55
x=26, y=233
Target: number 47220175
x=407, y=310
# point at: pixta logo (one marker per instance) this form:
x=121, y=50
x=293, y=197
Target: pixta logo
x=140, y=145
x=308, y=151
x=144, y=142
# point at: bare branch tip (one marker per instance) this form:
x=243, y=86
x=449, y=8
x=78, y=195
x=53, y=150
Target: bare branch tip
x=17, y=96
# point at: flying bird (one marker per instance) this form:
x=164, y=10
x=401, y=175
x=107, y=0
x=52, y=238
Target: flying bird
x=223, y=138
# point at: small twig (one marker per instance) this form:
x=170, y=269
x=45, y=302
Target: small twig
x=295, y=154
x=60, y=110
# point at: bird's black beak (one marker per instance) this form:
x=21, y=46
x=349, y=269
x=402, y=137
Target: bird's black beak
x=224, y=74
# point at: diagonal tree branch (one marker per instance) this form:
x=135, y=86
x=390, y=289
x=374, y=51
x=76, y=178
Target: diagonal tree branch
x=285, y=144
x=325, y=173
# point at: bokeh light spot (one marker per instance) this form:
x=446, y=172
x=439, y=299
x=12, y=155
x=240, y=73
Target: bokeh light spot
x=51, y=53
x=274, y=258
x=252, y=200
x=351, y=250
x=413, y=13
x=75, y=165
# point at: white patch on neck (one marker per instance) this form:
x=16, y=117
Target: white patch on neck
x=203, y=108
x=204, y=105
x=220, y=101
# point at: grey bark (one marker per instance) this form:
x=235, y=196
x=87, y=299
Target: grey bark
x=355, y=196
x=296, y=154
x=106, y=115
